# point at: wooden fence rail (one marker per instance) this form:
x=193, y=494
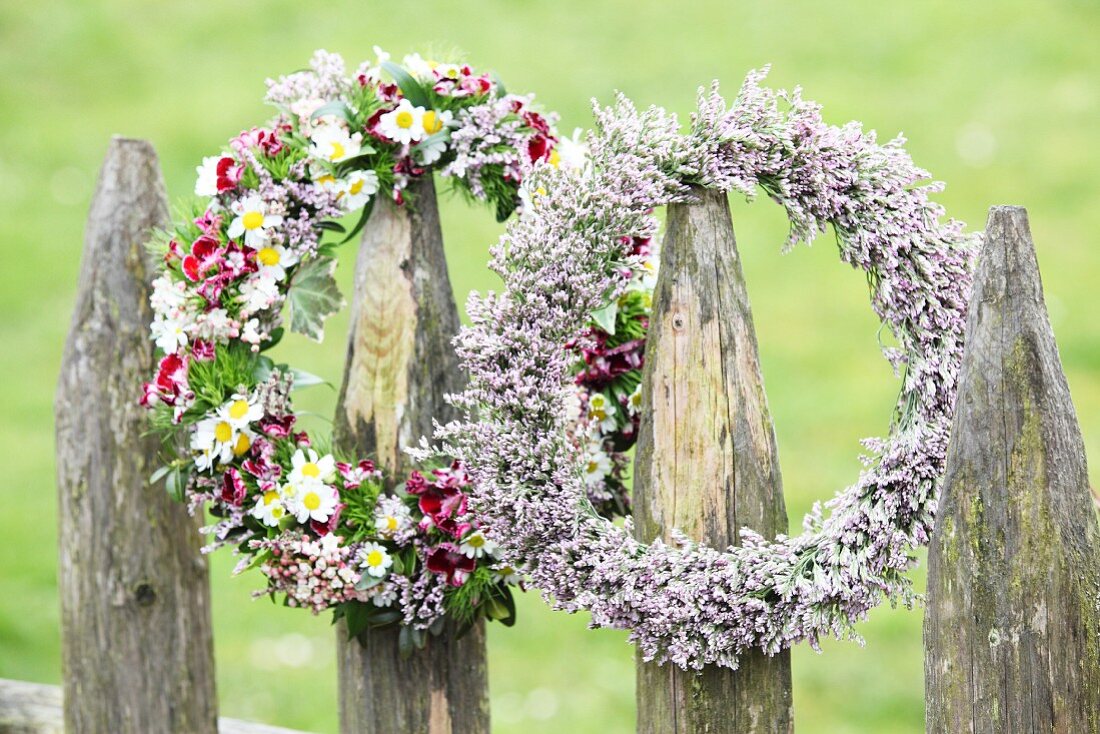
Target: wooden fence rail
x=1012, y=626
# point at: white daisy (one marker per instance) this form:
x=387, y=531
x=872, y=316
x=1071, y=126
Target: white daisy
x=253, y=221
x=477, y=545
x=311, y=467
x=240, y=410
x=570, y=153
x=419, y=67
x=357, y=189
x=405, y=124
x=507, y=574
x=597, y=465
x=601, y=412
x=269, y=508
x=634, y=402
x=391, y=518
x=334, y=144
x=311, y=500
x=216, y=441
x=385, y=594
x=168, y=334
x=375, y=559
x=274, y=260
x=207, y=182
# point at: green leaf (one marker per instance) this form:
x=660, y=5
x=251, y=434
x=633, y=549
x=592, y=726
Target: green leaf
x=357, y=617
x=313, y=296
x=410, y=87
x=398, y=565
x=500, y=91
x=366, y=581
x=159, y=474
x=276, y=337
x=264, y=367
x=337, y=108
x=176, y=483
x=303, y=379
x=332, y=226
x=367, y=209
x=605, y=317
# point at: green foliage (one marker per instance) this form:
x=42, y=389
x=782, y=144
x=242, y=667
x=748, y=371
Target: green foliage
x=313, y=296
x=232, y=370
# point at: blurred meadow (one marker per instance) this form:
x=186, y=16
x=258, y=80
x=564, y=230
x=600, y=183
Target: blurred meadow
x=1000, y=100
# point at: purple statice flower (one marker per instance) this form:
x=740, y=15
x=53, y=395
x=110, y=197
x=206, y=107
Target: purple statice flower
x=685, y=603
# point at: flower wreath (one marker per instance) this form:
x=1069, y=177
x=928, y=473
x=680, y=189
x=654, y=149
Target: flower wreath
x=325, y=532
x=563, y=261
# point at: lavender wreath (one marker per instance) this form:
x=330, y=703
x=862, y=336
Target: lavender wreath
x=564, y=260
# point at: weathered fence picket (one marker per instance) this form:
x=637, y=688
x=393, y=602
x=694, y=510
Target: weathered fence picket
x=706, y=460
x=1012, y=626
x=400, y=364
x=137, y=647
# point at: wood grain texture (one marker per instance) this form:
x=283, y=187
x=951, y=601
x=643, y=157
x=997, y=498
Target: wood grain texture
x=137, y=649
x=400, y=364
x=36, y=708
x=1012, y=625
x=706, y=461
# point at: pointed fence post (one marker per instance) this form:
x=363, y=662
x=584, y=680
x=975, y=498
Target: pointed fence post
x=400, y=364
x=137, y=649
x=706, y=460
x=1012, y=625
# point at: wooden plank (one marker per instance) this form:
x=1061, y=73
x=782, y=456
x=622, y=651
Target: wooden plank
x=400, y=364
x=706, y=461
x=1012, y=625
x=36, y=708
x=137, y=649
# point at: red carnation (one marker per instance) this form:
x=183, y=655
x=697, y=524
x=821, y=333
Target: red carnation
x=447, y=560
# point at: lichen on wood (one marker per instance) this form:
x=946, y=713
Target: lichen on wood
x=1012, y=625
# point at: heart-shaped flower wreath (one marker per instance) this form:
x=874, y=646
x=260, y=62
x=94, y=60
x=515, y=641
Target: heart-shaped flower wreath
x=325, y=532
x=563, y=260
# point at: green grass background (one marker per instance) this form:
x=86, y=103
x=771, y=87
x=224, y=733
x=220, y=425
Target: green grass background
x=1001, y=100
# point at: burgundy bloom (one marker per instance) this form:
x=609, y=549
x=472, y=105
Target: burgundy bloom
x=447, y=560
x=233, y=489
x=228, y=174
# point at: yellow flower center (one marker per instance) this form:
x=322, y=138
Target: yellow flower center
x=312, y=501
x=375, y=558
x=592, y=466
x=432, y=123
x=311, y=470
x=475, y=541
x=356, y=186
x=555, y=158
x=238, y=409
x=223, y=432
x=277, y=512
x=268, y=256
x=391, y=523
x=328, y=178
x=242, y=446
x=270, y=496
x=338, y=150
x=252, y=220
x=404, y=119
x=597, y=414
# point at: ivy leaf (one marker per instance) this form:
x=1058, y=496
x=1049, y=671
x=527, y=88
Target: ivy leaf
x=176, y=482
x=313, y=296
x=366, y=581
x=357, y=617
x=410, y=87
x=605, y=317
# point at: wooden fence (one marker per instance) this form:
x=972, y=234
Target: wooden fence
x=1012, y=624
